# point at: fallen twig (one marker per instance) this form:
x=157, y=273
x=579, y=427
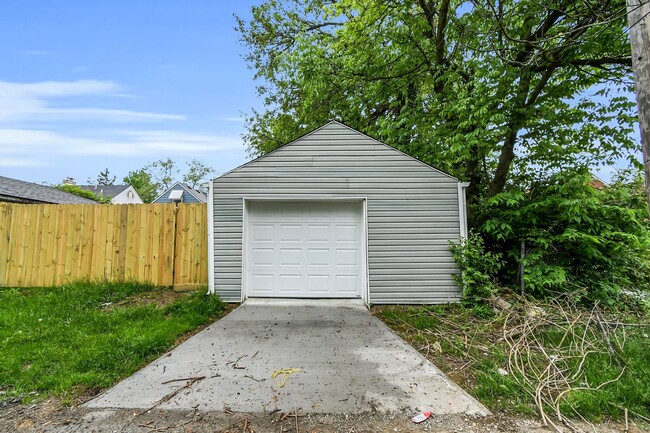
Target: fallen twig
x=248, y=376
x=236, y=366
x=552, y=369
x=183, y=379
x=172, y=394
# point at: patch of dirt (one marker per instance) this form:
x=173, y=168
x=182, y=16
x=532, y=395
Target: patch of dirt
x=158, y=297
x=51, y=417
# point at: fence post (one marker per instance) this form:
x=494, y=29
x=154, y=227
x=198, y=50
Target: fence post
x=174, y=255
x=522, y=256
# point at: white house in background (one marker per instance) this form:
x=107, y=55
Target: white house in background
x=181, y=193
x=119, y=194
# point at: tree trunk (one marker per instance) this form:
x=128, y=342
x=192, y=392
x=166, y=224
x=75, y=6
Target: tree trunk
x=473, y=191
x=505, y=160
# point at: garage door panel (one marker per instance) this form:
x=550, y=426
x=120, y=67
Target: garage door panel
x=289, y=256
x=264, y=282
x=289, y=284
x=289, y=233
x=347, y=233
x=263, y=257
x=320, y=285
x=263, y=232
x=318, y=257
x=348, y=258
x=304, y=249
x=347, y=284
x=318, y=233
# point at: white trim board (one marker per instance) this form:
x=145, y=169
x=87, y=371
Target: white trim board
x=210, y=216
x=462, y=209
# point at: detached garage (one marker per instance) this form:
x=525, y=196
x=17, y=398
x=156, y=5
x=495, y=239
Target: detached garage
x=335, y=214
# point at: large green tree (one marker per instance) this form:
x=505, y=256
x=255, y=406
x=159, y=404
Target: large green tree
x=496, y=92
x=143, y=183
x=197, y=173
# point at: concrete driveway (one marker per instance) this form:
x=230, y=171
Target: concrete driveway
x=344, y=361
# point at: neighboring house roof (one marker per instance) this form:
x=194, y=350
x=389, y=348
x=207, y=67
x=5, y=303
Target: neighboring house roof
x=19, y=191
x=198, y=195
x=105, y=190
x=597, y=183
x=119, y=194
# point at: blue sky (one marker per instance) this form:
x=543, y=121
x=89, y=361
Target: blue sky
x=88, y=85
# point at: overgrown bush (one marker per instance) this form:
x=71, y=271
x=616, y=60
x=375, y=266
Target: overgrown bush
x=478, y=268
x=580, y=239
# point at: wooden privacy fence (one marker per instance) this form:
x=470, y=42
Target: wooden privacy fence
x=48, y=244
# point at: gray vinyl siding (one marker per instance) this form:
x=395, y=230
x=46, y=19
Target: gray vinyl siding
x=412, y=211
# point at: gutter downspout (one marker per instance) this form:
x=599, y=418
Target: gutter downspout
x=462, y=209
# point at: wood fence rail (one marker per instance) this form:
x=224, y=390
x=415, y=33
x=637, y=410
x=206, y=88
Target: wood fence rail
x=48, y=245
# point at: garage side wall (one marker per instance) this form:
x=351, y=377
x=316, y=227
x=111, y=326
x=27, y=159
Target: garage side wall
x=412, y=210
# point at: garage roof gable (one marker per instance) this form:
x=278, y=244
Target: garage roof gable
x=330, y=129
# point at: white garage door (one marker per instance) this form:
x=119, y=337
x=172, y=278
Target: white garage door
x=304, y=249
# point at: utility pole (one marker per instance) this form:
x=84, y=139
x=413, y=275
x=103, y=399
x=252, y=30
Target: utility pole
x=639, y=21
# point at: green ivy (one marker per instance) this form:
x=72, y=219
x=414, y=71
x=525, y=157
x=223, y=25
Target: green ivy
x=78, y=191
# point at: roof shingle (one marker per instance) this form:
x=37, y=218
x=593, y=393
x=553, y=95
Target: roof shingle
x=15, y=190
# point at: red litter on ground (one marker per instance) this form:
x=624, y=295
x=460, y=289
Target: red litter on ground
x=421, y=417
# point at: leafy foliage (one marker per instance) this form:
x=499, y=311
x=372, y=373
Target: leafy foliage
x=143, y=184
x=478, y=268
x=78, y=191
x=163, y=172
x=491, y=92
x=578, y=238
x=197, y=173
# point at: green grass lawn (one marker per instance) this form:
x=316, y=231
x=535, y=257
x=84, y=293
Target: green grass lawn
x=468, y=345
x=81, y=337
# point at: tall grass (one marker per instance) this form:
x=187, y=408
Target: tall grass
x=468, y=345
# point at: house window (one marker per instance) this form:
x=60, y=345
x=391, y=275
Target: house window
x=130, y=194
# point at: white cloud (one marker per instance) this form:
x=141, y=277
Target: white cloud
x=20, y=162
x=181, y=142
x=39, y=146
x=58, y=88
x=30, y=102
x=32, y=131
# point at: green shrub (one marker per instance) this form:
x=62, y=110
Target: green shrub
x=478, y=268
x=593, y=243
